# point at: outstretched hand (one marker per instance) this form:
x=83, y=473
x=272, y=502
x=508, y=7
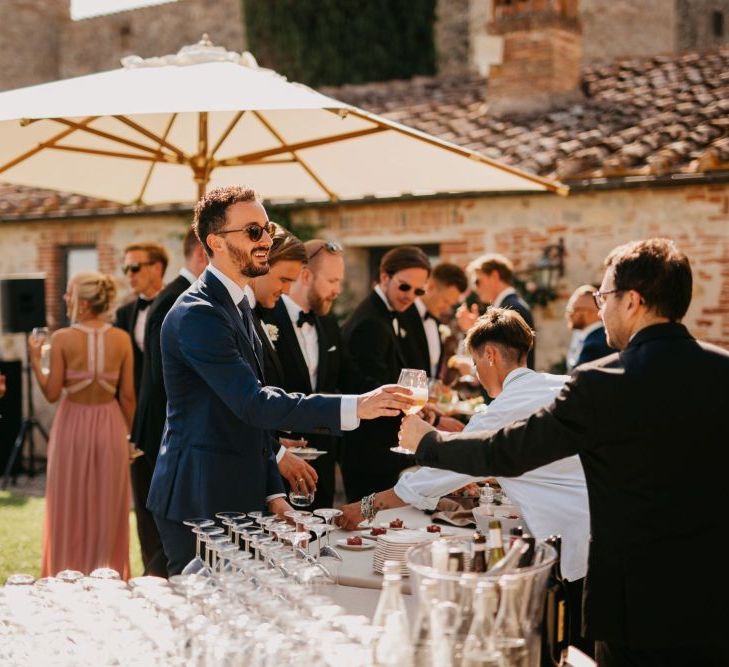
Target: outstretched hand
x=390, y=400
x=412, y=430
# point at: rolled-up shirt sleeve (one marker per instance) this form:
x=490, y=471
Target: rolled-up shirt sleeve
x=424, y=487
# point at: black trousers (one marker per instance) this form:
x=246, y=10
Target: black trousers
x=609, y=654
x=574, y=600
x=153, y=556
x=179, y=543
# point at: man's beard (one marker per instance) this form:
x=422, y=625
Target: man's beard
x=318, y=305
x=244, y=260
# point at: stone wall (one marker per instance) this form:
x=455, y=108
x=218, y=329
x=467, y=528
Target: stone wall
x=96, y=44
x=591, y=224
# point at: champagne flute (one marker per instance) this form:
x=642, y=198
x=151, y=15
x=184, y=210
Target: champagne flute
x=417, y=381
x=41, y=335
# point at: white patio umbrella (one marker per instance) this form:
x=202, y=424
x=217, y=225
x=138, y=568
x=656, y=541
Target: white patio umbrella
x=164, y=130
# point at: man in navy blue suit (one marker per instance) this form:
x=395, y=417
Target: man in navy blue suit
x=588, y=339
x=216, y=450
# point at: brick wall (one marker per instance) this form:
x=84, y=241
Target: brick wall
x=591, y=224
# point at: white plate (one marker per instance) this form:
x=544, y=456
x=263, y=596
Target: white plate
x=386, y=524
x=443, y=531
x=366, y=544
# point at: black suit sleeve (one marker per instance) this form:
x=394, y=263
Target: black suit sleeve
x=553, y=433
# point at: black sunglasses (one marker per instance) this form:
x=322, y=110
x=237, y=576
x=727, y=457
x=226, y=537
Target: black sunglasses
x=406, y=287
x=254, y=230
x=135, y=268
x=330, y=246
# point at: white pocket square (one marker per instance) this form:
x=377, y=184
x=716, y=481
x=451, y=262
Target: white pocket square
x=332, y=348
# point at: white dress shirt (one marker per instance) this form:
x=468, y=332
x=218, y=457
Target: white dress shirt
x=188, y=275
x=141, y=322
x=553, y=498
x=502, y=295
x=432, y=335
x=395, y=321
x=307, y=336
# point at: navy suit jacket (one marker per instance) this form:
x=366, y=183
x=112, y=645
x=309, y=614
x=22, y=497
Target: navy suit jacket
x=594, y=347
x=216, y=448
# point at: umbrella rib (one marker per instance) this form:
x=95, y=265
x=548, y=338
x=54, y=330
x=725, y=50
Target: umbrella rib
x=162, y=141
x=148, y=177
x=241, y=160
x=107, y=135
x=226, y=133
x=45, y=144
x=298, y=159
x=130, y=156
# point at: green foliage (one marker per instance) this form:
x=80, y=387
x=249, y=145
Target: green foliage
x=332, y=42
x=303, y=231
x=21, y=530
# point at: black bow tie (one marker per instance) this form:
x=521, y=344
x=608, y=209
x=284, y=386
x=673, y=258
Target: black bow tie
x=429, y=316
x=306, y=317
x=143, y=304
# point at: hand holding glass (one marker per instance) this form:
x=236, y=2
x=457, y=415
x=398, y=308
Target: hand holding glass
x=417, y=381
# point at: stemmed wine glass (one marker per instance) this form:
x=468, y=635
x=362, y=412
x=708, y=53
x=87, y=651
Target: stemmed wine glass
x=41, y=334
x=329, y=514
x=197, y=563
x=417, y=381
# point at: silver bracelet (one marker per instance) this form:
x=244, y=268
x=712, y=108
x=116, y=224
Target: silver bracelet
x=367, y=507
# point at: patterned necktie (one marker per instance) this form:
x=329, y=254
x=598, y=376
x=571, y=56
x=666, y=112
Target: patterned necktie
x=245, y=310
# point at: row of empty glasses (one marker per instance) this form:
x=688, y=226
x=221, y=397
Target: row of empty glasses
x=257, y=597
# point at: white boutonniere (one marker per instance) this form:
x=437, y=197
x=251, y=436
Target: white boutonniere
x=444, y=331
x=403, y=333
x=272, y=332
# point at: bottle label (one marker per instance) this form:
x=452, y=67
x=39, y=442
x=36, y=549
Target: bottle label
x=560, y=621
x=495, y=538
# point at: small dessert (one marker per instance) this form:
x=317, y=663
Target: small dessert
x=396, y=523
x=378, y=531
x=355, y=541
x=512, y=516
x=432, y=528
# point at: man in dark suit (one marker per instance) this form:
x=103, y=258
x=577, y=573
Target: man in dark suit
x=493, y=277
x=374, y=338
x=443, y=291
x=216, y=448
x=144, y=266
x=309, y=347
x=149, y=418
x=588, y=338
x=637, y=438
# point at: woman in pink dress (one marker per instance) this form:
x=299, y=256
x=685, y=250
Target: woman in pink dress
x=87, y=491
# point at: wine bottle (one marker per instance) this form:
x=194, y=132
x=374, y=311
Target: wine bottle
x=527, y=558
x=479, y=648
x=555, y=621
x=478, y=561
x=516, y=531
x=511, y=561
x=496, y=545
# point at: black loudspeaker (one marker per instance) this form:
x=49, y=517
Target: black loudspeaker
x=10, y=409
x=23, y=301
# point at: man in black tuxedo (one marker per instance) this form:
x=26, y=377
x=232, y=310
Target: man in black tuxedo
x=645, y=601
x=493, y=277
x=149, y=418
x=286, y=259
x=309, y=347
x=375, y=339
x=443, y=291
x=144, y=266
x=588, y=338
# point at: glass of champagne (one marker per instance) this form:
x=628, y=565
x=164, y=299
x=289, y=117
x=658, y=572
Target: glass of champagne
x=417, y=381
x=41, y=335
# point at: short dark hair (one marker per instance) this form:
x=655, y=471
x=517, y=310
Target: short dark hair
x=285, y=247
x=503, y=327
x=155, y=252
x=404, y=257
x=189, y=243
x=658, y=271
x=494, y=262
x=210, y=210
x=450, y=275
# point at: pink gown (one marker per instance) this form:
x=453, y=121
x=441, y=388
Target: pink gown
x=87, y=489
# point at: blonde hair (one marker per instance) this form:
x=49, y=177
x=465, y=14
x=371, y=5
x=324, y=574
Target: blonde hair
x=98, y=289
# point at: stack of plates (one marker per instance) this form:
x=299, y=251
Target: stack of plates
x=394, y=545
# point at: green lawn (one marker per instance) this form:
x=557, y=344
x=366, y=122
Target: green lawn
x=21, y=526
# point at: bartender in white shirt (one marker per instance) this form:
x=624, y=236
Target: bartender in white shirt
x=553, y=498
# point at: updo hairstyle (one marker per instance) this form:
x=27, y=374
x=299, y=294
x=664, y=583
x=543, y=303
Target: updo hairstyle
x=97, y=289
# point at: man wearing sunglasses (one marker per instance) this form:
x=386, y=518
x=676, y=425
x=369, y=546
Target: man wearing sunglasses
x=377, y=342
x=216, y=449
x=639, y=436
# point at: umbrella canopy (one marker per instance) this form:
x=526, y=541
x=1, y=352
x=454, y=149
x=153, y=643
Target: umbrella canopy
x=163, y=130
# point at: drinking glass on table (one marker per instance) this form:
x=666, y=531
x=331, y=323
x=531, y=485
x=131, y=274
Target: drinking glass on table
x=417, y=381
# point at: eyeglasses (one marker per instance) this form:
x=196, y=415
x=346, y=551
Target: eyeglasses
x=330, y=246
x=135, y=268
x=600, y=299
x=406, y=287
x=254, y=230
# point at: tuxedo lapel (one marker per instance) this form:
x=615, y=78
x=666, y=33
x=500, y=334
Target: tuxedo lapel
x=288, y=337
x=323, y=368
x=388, y=316
x=220, y=294
x=269, y=349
